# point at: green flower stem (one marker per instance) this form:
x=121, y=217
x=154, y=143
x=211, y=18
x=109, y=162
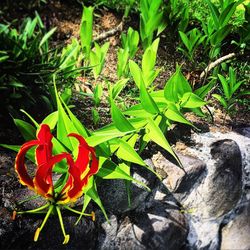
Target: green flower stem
x=28, y=199
x=77, y=212
x=37, y=210
x=66, y=236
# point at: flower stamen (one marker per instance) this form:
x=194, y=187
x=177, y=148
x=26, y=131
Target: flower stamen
x=39, y=229
x=66, y=236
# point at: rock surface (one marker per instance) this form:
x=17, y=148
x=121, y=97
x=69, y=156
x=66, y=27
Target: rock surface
x=179, y=180
x=116, y=189
x=160, y=227
x=186, y=211
x=235, y=235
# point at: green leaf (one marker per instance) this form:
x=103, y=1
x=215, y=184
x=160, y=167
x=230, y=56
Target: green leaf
x=176, y=86
x=46, y=37
x=155, y=134
x=224, y=86
x=119, y=119
x=227, y=14
x=29, y=155
x=215, y=13
x=109, y=170
x=117, y=88
x=27, y=130
x=136, y=73
x=100, y=137
x=147, y=101
x=222, y=101
x=91, y=192
x=65, y=126
x=203, y=91
x=174, y=114
x=127, y=153
x=185, y=40
x=86, y=30
x=191, y=100
x=220, y=35
x=97, y=94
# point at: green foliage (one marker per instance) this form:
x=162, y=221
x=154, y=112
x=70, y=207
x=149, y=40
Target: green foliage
x=129, y=48
x=147, y=73
x=97, y=58
x=151, y=20
x=230, y=87
x=191, y=40
x=27, y=64
x=217, y=27
x=86, y=30
x=178, y=12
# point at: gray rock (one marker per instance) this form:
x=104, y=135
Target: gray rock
x=225, y=183
x=216, y=191
x=114, y=195
x=178, y=180
x=235, y=235
x=160, y=227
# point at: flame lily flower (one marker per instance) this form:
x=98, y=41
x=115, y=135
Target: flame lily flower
x=79, y=170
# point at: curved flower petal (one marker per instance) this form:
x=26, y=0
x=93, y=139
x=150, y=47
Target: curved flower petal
x=82, y=160
x=20, y=167
x=43, y=182
x=73, y=188
x=93, y=167
x=85, y=166
x=44, y=149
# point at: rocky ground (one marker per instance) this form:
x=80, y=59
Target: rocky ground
x=204, y=206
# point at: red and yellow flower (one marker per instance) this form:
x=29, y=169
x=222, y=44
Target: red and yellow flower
x=79, y=171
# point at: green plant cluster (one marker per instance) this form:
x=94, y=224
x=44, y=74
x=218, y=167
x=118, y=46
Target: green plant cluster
x=152, y=113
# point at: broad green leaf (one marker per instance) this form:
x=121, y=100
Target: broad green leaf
x=185, y=40
x=117, y=88
x=100, y=137
x=224, y=86
x=86, y=30
x=215, y=13
x=109, y=170
x=93, y=194
x=119, y=119
x=78, y=125
x=97, y=94
x=136, y=73
x=127, y=153
x=29, y=155
x=27, y=130
x=155, y=134
x=149, y=58
x=228, y=12
x=65, y=126
x=203, y=91
x=176, y=86
x=220, y=35
x=174, y=114
x=191, y=100
x=147, y=101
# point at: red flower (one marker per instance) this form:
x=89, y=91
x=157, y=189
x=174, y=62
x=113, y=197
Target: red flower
x=85, y=165
x=79, y=170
